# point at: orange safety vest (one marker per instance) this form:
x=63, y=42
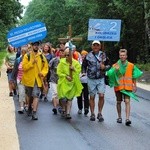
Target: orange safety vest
x=125, y=81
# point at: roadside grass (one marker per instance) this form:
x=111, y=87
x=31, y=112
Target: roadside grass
x=145, y=78
x=2, y=56
x=144, y=67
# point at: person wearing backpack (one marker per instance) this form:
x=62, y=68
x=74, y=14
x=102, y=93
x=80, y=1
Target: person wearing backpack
x=35, y=69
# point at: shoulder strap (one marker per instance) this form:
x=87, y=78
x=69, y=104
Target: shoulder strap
x=96, y=57
x=28, y=55
x=18, y=60
x=42, y=57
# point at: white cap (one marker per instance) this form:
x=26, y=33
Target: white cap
x=67, y=45
x=96, y=42
x=73, y=46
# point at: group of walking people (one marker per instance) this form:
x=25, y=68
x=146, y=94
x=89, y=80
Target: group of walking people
x=67, y=74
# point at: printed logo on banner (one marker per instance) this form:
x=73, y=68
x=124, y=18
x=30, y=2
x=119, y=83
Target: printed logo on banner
x=25, y=34
x=104, y=29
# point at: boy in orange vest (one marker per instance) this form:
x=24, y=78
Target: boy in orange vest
x=124, y=69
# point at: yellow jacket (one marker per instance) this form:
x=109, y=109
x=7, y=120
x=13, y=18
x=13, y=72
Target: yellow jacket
x=30, y=70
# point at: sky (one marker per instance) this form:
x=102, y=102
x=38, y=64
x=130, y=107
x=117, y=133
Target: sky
x=25, y=2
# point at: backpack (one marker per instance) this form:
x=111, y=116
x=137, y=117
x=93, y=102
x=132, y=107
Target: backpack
x=19, y=59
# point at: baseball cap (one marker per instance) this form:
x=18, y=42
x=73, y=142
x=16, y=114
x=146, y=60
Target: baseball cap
x=35, y=43
x=96, y=42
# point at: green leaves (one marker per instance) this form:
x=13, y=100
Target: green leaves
x=10, y=11
x=57, y=15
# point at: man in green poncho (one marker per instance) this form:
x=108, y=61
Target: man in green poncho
x=123, y=77
x=68, y=86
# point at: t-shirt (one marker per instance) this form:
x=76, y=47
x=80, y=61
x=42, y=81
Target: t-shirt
x=10, y=58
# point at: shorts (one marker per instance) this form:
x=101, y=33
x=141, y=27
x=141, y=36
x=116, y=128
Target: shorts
x=21, y=92
x=120, y=96
x=53, y=88
x=96, y=86
x=33, y=91
x=9, y=75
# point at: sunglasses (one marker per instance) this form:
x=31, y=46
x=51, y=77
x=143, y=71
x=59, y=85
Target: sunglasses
x=67, y=55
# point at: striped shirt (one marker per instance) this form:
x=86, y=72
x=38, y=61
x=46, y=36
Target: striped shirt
x=20, y=72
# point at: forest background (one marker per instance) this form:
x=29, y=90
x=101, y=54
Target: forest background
x=58, y=14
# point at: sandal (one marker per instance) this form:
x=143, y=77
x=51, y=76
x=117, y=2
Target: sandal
x=100, y=117
x=128, y=122
x=68, y=116
x=92, y=117
x=119, y=120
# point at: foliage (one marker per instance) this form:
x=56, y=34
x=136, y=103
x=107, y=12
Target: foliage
x=144, y=67
x=57, y=15
x=2, y=56
x=10, y=11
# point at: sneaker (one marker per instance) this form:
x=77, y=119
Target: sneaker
x=100, y=117
x=86, y=111
x=79, y=111
x=119, y=120
x=63, y=113
x=92, y=117
x=68, y=116
x=54, y=111
x=29, y=112
x=21, y=111
x=128, y=122
x=59, y=110
x=34, y=116
x=26, y=108
x=45, y=99
x=11, y=94
x=15, y=92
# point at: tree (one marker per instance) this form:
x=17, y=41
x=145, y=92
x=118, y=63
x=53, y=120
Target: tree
x=10, y=11
x=57, y=15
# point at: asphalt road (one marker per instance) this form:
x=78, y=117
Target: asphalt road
x=144, y=94
x=51, y=132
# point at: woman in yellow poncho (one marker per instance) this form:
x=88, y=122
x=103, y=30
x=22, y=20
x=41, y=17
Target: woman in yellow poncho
x=68, y=87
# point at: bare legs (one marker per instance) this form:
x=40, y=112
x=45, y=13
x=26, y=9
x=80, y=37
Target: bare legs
x=127, y=107
x=100, y=107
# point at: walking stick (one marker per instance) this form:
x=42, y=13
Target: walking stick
x=103, y=52
x=70, y=58
x=102, y=71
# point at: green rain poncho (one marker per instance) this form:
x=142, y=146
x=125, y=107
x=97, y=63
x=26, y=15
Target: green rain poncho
x=114, y=76
x=67, y=89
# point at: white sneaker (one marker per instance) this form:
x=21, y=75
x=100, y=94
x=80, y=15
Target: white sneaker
x=79, y=111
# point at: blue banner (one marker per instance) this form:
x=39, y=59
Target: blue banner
x=28, y=33
x=104, y=29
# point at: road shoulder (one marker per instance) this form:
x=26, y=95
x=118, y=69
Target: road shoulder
x=143, y=86
x=8, y=133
